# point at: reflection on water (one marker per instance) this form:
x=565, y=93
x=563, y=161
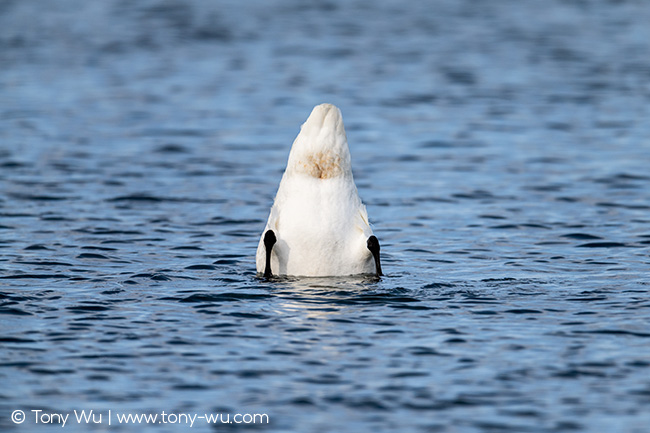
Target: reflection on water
x=502, y=150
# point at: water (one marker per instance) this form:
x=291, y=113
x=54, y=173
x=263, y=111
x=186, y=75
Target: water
x=502, y=150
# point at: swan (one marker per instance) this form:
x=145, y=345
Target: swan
x=318, y=225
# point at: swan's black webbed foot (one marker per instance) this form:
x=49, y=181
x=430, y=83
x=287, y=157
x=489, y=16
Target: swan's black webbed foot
x=269, y=241
x=373, y=246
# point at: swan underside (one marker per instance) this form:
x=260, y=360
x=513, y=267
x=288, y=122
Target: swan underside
x=318, y=225
x=270, y=240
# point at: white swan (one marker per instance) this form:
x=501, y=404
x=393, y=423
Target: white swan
x=318, y=225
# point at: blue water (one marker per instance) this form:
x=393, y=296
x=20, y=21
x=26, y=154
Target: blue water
x=502, y=150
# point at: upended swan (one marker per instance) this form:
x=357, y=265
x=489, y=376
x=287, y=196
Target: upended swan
x=318, y=225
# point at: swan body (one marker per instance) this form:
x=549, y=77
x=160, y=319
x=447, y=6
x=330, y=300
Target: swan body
x=318, y=225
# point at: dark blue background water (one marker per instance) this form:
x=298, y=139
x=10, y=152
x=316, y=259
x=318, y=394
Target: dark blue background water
x=502, y=149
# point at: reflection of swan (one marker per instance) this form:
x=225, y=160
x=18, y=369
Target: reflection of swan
x=325, y=297
x=318, y=225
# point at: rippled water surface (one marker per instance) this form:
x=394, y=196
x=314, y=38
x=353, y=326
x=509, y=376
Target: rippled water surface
x=502, y=149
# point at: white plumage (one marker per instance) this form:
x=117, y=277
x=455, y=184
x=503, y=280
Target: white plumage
x=319, y=222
